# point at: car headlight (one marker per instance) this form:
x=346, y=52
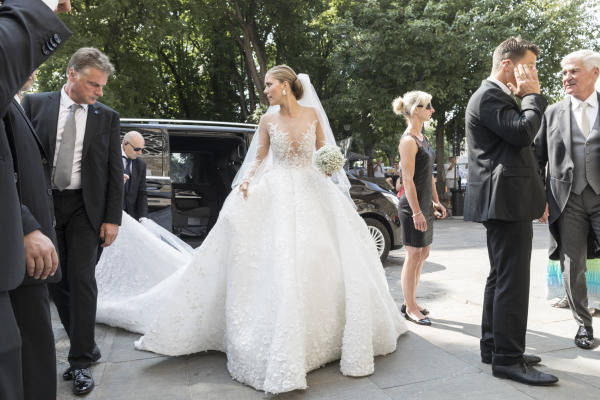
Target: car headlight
x=392, y=198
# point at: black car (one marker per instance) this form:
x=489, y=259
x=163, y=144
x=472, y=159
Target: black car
x=191, y=166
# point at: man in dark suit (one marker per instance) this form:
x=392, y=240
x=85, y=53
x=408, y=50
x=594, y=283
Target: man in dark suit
x=505, y=193
x=135, y=201
x=568, y=144
x=81, y=138
x=31, y=33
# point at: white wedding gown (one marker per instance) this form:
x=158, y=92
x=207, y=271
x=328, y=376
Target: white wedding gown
x=286, y=281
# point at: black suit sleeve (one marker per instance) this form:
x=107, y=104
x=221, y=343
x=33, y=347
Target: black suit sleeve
x=501, y=115
x=114, y=195
x=30, y=33
x=30, y=224
x=142, y=200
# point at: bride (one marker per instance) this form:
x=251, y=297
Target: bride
x=286, y=281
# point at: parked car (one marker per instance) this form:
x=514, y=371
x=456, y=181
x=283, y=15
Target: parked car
x=192, y=165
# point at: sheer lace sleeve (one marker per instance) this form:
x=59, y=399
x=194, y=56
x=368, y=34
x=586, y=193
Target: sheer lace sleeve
x=320, y=142
x=261, y=151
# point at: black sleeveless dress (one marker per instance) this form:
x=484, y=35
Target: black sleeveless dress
x=422, y=179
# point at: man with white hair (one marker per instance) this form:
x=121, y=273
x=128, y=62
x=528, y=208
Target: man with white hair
x=568, y=151
x=135, y=201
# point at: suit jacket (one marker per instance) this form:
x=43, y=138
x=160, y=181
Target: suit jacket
x=504, y=182
x=135, y=202
x=30, y=33
x=101, y=163
x=33, y=184
x=553, y=149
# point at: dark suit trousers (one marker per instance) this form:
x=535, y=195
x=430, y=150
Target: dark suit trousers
x=11, y=380
x=31, y=306
x=506, y=296
x=581, y=213
x=75, y=296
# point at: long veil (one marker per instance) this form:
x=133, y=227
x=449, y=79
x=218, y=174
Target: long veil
x=309, y=99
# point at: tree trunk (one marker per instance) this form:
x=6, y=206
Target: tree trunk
x=252, y=47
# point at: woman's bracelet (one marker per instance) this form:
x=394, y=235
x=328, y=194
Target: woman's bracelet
x=415, y=214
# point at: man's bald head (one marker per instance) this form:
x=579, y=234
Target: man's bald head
x=131, y=141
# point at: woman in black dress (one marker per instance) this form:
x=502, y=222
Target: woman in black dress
x=419, y=200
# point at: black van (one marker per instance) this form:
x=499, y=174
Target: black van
x=191, y=166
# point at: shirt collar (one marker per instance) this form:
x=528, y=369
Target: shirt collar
x=66, y=101
x=504, y=88
x=592, y=101
x=123, y=153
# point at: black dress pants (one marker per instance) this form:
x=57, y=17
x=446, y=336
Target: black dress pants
x=11, y=379
x=506, y=296
x=75, y=295
x=31, y=306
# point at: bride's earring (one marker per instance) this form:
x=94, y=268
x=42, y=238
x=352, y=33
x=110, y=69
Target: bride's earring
x=283, y=92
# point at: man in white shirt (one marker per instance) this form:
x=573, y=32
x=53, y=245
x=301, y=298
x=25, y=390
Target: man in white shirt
x=568, y=149
x=81, y=137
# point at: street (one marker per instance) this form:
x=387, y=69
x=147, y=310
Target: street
x=437, y=362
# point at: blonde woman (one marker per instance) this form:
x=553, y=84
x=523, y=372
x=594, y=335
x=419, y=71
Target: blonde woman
x=420, y=197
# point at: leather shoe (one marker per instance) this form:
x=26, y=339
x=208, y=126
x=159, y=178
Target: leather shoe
x=585, y=337
x=530, y=359
x=422, y=321
x=82, y=381
x=521, y=372
x=403, y=310
x=68, y=374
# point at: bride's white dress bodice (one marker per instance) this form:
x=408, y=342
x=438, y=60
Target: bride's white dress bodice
x=292, y=150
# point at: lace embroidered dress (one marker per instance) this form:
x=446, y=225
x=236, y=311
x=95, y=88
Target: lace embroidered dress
x=286, y=281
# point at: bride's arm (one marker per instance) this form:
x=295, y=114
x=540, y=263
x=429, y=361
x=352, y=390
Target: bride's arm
x=261, y=153
x=320, y=142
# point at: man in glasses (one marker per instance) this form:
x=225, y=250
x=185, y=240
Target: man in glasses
x=506, y=193
x=135, y=202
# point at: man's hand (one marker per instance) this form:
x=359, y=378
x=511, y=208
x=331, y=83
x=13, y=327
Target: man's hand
x=125, y=177
x=108, y=233
x=64, y=6
x=527, y=81
x=544, y=218
x=40, y=255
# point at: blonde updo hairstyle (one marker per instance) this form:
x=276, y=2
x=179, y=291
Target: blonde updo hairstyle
x=405, y=105
x=283, y=73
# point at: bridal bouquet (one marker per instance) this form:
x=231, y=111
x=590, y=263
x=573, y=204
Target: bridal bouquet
x=329, y=159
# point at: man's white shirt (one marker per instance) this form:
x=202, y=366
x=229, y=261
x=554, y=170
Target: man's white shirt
x=592, y=109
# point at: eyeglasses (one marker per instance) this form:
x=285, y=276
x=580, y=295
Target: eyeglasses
x=427, y=107
x=136, y=149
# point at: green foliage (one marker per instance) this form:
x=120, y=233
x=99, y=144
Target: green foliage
x=206, y=59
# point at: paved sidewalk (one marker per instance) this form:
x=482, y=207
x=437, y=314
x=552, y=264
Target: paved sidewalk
x=437, y=362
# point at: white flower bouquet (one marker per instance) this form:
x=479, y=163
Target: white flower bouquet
x=329, y=159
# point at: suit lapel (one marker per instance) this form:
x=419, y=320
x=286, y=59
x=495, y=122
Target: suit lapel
x=31, y=128
x=564, y=118
x=91, y=127
x=50, y=117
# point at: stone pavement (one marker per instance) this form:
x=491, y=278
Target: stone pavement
x=437, y=362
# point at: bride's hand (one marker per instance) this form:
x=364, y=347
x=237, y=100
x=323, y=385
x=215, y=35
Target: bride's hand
x=244, y=190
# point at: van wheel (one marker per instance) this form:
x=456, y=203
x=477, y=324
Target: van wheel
x=380, y=236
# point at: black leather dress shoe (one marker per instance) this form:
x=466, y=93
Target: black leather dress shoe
x=523, y=373
x=68, y=374
x=530, y=359
x=82, y=381
x=585, y=337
